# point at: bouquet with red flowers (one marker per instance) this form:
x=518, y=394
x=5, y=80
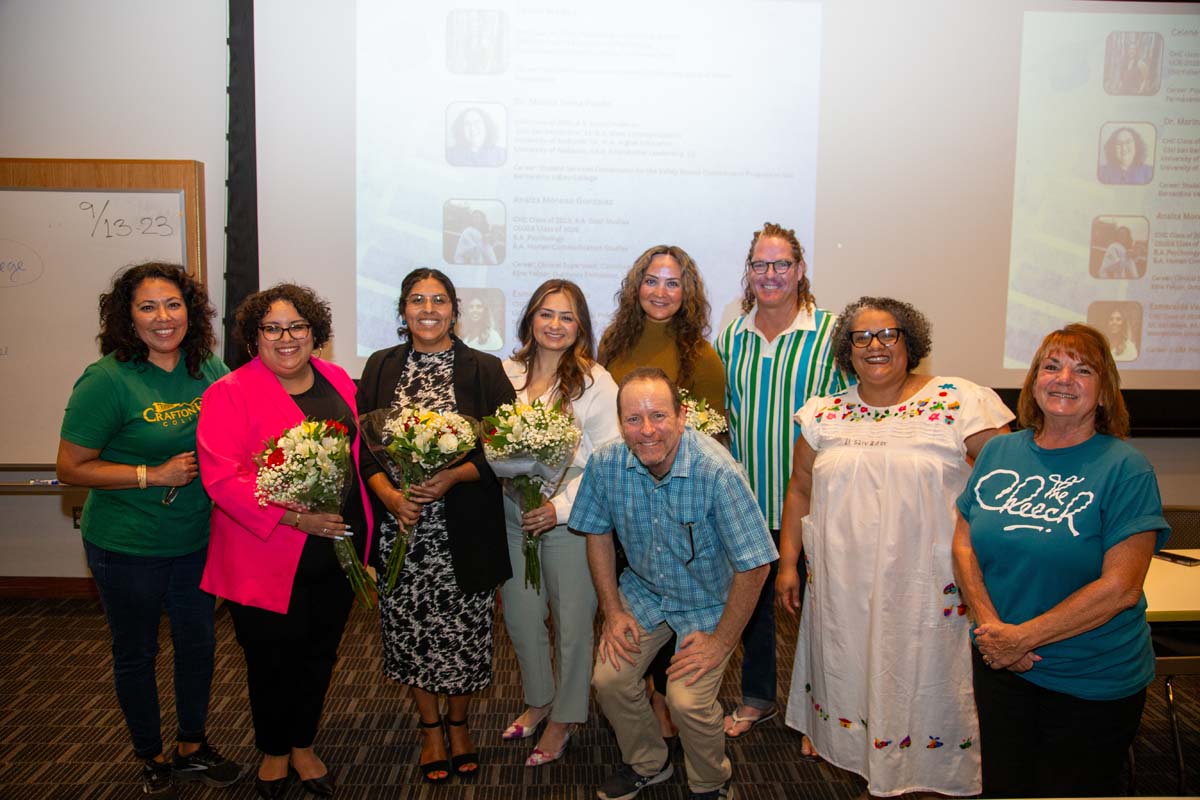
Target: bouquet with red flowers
x=307, y=468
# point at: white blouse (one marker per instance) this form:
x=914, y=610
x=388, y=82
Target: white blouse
x=595, y=413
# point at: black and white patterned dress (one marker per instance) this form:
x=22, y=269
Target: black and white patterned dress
x=435, y=637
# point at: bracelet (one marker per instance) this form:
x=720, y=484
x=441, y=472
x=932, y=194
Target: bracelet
x=141, y=476
x=297, y=525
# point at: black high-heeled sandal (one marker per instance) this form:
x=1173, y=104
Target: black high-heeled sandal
x=466, y=765
x=429, y=769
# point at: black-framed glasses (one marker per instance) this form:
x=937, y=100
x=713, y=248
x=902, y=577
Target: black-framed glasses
x=886, y=336
x=781, y=267
x=299, y=331
x=436, y=299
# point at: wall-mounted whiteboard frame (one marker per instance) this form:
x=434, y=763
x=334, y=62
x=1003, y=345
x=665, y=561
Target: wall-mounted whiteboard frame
x=42, y=391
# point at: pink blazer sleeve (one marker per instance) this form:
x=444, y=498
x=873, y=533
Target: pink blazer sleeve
x=252, y=556
x=234, y=423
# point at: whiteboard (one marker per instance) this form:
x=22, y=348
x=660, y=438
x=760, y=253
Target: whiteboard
x=58, y=251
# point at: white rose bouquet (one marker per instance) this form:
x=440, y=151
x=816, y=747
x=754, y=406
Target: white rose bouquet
x=530, y=446
x=701, y=416
x=412, y=444
x=307, y=468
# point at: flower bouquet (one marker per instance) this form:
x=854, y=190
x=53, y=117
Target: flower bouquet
x=530, y=445
x=701, y=416
x=307, y=469
x=412, y=444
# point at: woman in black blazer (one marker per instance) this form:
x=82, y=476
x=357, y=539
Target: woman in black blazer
x=437, y=623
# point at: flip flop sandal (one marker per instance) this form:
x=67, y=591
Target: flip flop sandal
x=753, y=722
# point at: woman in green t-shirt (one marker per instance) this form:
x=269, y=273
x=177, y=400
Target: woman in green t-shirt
x=129, y=435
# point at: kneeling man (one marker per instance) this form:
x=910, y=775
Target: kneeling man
x=698, y=552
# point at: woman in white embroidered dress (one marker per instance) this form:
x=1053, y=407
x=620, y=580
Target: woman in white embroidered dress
x=881, y=684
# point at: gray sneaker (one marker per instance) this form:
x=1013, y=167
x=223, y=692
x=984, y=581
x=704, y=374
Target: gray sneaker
x=625, y=783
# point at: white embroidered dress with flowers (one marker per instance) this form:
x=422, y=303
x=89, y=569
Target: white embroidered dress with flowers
x=882, y=676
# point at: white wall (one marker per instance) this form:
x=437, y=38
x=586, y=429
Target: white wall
x=142, y=79
x=130, y=79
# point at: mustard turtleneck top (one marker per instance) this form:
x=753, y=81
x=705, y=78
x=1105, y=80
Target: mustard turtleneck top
x=657, y=348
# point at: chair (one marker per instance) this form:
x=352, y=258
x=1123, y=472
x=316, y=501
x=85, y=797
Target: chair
x=1185, y=526
x=1176, y=652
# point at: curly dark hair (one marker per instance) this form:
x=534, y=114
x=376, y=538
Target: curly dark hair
x=1083, y=343
x=117, y=334
x=406, y=287
x=575, y=367
x=918, y=332
x=1139, y=147
x=689, y=326
x=771, y=230
x=307, y=303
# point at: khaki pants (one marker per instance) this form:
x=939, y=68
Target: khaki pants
x=622, y=697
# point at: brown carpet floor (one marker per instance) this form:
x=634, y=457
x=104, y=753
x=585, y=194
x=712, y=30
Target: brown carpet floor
x=62, y=734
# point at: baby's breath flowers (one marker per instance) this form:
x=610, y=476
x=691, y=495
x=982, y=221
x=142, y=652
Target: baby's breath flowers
x=530, y=445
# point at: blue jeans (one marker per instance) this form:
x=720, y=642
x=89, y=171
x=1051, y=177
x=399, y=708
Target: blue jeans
x=133, y=590
x=758, y=643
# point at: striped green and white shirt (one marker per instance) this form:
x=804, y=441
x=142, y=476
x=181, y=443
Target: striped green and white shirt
x=765, y=383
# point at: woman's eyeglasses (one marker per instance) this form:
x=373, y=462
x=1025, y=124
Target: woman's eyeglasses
x=886, y=336
x=299, y=331
x=436, y=299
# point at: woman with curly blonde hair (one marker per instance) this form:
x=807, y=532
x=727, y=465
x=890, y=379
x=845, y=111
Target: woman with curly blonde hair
x=662, y=321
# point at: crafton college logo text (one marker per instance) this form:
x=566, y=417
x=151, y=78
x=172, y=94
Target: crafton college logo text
x=172, y=413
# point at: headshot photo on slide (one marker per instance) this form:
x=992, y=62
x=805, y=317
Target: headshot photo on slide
x=476, y=134
x=476, y=41
x=474, y=232
x=1119, y=247
x=1126, y=153
x=1133, y=62
x=481, y=322
x=1121, y=323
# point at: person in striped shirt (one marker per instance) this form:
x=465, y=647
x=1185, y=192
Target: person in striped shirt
x=776, y=356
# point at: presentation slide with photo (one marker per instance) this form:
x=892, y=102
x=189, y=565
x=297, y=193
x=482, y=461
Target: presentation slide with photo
x=586, y=133
x=1106, y=202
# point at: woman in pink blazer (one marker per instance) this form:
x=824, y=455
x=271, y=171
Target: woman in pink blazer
x=288, y=597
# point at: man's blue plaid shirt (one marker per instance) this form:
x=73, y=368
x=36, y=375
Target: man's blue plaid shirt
x=685, y=536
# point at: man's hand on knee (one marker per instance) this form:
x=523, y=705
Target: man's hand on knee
x=620, y=637
x=698, y=653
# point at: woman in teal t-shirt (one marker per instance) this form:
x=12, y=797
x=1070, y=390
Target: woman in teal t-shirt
x=1056, y=529
x=129, y=435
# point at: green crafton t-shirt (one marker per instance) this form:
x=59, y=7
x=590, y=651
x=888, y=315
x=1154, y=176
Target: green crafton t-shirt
x=137, y=413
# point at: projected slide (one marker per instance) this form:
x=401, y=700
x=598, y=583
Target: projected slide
x=511, y=145
x=1106, y=207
